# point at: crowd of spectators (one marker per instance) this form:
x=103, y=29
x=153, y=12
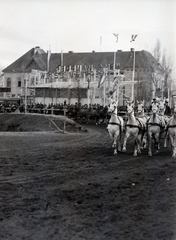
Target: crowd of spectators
x=8, y=107
x=70, y=110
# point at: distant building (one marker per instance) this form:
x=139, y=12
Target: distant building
x=46, y=77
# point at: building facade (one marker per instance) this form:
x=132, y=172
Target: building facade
x=45, y=77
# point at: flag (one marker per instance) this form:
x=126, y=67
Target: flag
x=116, y=35
x=133, y=37
x=102, y=80
x=99, y=71
x=32, y=91
x=111, y=92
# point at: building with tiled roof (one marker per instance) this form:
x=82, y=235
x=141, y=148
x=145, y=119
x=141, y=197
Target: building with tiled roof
x=46, y=77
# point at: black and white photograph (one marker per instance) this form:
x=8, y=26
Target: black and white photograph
x=88, y=119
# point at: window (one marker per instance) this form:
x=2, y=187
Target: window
x=8, y=83
x=19, y=83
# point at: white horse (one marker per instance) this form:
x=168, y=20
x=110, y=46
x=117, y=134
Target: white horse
x=155, y=125
x=115, y=126
x=171, y=132
x=142, y=115
x=161, y=111
x=134, y=127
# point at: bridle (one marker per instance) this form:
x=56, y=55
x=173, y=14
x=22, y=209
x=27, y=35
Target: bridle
x=161, y=109
x=131, y=109
x=140, y=108
x=112, y=111
x=155, y=108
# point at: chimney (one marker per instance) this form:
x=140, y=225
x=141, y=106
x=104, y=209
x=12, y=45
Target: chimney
x=36, y=49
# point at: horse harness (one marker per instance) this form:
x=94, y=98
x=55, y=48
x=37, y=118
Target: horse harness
x=118, y=124
x=115, y=123
x=141, y=127
x=154, y=124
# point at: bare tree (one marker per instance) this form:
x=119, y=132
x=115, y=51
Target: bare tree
x=160, y=71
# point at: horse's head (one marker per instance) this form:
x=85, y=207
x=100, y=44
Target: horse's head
x=130, y=107
x=140, y=107
x=112, y=107
x=154, y=108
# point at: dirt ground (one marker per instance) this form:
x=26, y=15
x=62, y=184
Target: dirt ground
x=56, y=186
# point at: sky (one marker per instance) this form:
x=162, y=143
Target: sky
x=85, y=25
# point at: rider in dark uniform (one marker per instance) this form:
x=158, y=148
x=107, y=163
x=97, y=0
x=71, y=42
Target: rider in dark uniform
x=167, y=109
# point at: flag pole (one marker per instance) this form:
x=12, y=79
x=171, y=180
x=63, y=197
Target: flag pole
x=48, y=59
x=116, y=35
x=100, y=42
x=114, y=66
x=133, y=75
x=104, y=90
x=133, y=37
x=62, y=60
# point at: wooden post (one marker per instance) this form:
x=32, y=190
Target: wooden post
x=25, y=96
x=64, y=119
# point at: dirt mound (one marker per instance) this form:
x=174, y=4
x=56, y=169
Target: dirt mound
x=37, y=122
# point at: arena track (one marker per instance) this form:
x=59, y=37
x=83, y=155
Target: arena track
x=71, y=186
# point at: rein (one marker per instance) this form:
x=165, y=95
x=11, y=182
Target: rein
x=134, y=126
x=154, y=124
x=114, y=123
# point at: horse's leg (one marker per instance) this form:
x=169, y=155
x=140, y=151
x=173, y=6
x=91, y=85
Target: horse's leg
x=157, y=145
x=115, y=149
x=119, y=141
x=135, y=147
x=114, y=140
x=144, y=141
x=165, y=140
x=171, y=142
x=111, y=137
x=139, y=142
x=125, y=141
x=173, y=145
x=115, y=137
x=149, y=144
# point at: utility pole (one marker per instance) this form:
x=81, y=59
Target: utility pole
x=25, y=94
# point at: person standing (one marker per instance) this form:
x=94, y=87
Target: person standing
x=167, y=109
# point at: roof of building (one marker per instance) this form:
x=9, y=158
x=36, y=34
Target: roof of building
x=36, y=58
x=36, y=55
